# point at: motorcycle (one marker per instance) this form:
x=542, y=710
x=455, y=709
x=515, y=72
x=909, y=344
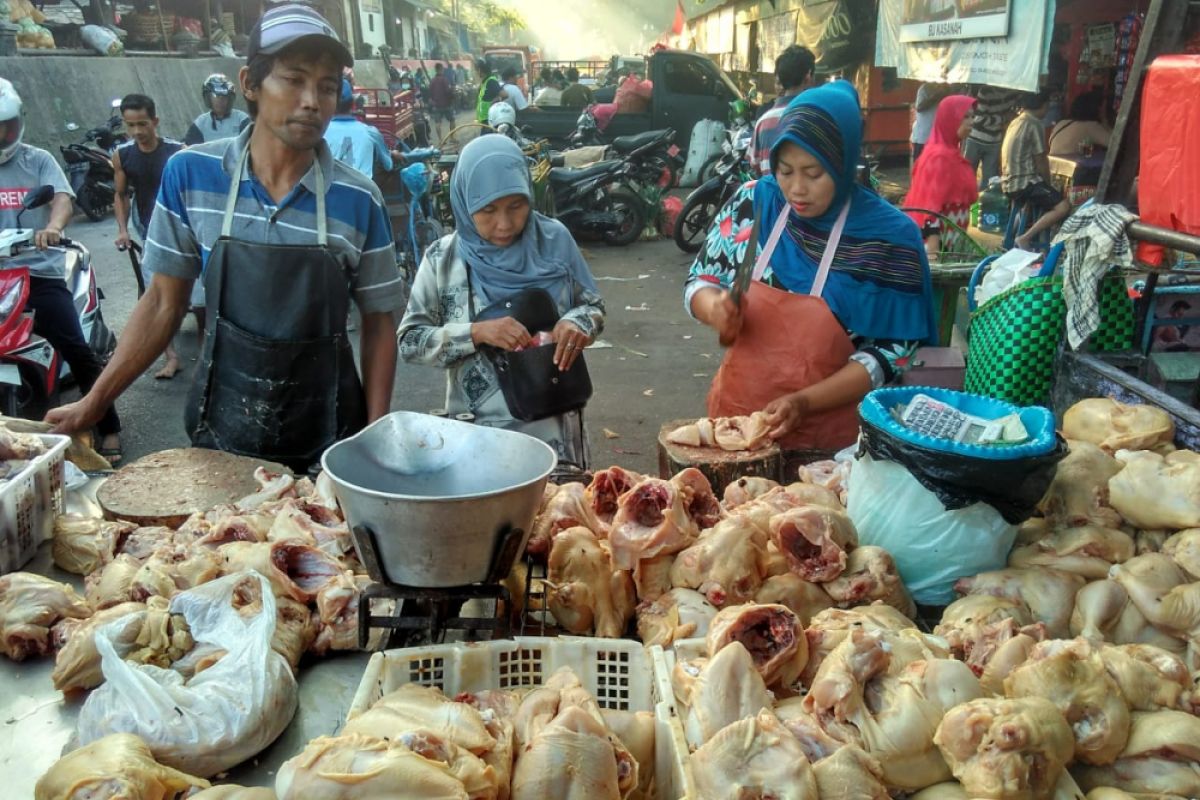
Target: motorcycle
x=31, y=371
x=89, y=165
x=653, y=155
x=422, y=185
x=595, y=200
x=706, y=200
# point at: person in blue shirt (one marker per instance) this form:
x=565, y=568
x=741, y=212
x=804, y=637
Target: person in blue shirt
x=355, y=143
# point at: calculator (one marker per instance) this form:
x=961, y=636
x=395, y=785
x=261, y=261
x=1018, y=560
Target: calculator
x=941, y=421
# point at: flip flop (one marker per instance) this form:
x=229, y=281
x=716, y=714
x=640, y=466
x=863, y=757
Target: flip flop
x=112, y=455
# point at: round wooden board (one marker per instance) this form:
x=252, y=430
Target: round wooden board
x=166, y=488
x=721, y=467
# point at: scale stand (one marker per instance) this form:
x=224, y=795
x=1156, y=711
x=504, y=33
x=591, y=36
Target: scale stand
x=428, y=613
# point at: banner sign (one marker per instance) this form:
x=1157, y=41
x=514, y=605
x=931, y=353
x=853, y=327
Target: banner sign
x=1014, y=61
x=939, y=20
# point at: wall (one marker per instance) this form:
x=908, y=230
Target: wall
x=61, y=89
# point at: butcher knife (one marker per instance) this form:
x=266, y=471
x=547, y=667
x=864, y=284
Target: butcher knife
x=745, y=272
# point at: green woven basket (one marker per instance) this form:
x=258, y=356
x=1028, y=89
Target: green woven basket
x=1117, y=317
x=1012, y=342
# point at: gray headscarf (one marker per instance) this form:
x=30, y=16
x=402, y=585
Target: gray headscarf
x=543, y=256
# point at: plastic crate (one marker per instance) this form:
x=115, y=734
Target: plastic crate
x=621, y=674
x=29, y=502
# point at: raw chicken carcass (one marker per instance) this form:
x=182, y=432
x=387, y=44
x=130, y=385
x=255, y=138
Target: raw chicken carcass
x=113, y=583
x=174, y=568
x=19, y=446
x=568, y=507
x=295, y=624
x=273, y=486
x=141, y=543
x=1153, y=492
x=338, y=606
x=850, y=773
x=728, y=433
x=293, y=521
x=83, y=545
x=1070, y=674
x=961, y=618
x=725, y=564
x=585, y=593
x=1033, y=530
x=1115, y=426
x=497, y=708
x=1088, y=551
x=1078, y=495
x=1104, y=612
x=992, y=635
x=1150, y=678
x=651, y=520
x=77, y=662
x=415, y=707
x=29, y=606
x=745, y=489
x=606, y=489
x=1049, y=593
x=652, y=577
x=829, y=628
x=117, y=766
x=772, y=634
x=1162, y=591
x=727, y=689
x=1006, y=749
x=678, y=614
x=804, y=598
x=871, y=575
x=636, y=731
x=237, y=528
x=756, y=757
x=294, y=569
x=814, y=741
x=1160, y=758
x=815, y=541
x=699, y=501
x=1184, y=548
x=572, y=758
x=405, y=766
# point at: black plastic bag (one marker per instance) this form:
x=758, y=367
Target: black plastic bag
x=1013, y=488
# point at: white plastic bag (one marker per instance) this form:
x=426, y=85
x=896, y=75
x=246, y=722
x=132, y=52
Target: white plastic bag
x=220, y=717
x=1015, y=266
x=102, y=40
x=932, y=547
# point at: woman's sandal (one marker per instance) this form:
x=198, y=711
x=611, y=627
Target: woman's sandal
x=113, y=455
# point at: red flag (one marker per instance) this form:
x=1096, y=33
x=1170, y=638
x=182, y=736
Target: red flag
x=677, y=25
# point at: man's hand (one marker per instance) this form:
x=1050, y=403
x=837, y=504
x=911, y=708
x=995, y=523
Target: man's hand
x=569, y=341
x=74, y=417
x=784, y=414
x=47, y=237
x=123, y=241
x=505, y=333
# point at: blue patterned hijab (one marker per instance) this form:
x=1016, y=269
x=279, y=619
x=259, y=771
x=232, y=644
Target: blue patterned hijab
x=544, y=256
x=879, y=284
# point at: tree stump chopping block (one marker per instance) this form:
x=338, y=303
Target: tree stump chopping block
x=721, y=467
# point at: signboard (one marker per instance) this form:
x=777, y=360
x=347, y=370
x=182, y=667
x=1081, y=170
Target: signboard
x=1011, y=62
x=940, y=20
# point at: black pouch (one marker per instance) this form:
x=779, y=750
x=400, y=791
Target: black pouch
x=532, y=385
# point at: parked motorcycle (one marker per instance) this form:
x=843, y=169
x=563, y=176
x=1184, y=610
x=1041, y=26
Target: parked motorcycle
x=422, y=185
x=706, y=201
x=31, y=371
x=653, y=156
x=89, y=165
x=595, y=200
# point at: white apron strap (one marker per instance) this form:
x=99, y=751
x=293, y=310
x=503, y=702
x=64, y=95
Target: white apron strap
x=831, y=246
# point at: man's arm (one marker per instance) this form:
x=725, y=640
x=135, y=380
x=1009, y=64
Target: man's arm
x=382, y=154
x=153, y=322
x=120, y=201
x=61, y=209
x=378, y=361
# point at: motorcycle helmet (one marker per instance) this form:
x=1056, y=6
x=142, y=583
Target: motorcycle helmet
x=501, y=114
x=215, y=85
x=11, y=119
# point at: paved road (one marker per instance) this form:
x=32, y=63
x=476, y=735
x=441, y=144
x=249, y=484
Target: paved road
x=656, y=366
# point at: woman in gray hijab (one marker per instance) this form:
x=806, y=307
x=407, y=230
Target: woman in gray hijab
x=501, y=247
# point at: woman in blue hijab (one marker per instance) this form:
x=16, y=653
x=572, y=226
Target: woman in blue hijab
x=501, y=247
x=840, y=295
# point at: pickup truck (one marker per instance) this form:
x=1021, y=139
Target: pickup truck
x=688, y=87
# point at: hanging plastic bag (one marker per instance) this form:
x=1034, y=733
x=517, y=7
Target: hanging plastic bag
x=933, y=547
x=220, y=717
x=1015, y=266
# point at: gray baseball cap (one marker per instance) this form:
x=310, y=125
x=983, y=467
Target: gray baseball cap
x=288, y=23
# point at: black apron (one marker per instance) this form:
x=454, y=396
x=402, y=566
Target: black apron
x=277, y=379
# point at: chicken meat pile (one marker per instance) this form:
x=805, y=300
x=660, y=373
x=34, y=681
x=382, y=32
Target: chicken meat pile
x=669, y=555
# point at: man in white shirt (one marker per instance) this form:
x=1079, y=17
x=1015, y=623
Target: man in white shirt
x=510, y=92
x=929, y=95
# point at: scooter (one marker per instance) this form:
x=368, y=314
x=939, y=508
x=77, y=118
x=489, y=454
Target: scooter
x=89, y=165
x=594, y=200
x=31, y=371
x=729, y=173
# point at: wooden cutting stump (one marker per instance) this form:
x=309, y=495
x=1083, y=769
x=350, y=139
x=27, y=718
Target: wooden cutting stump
x=721, y=467
x=166, y=488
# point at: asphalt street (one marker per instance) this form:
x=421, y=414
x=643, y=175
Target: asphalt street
x=652, y=363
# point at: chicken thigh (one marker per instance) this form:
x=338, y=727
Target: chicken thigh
x=1160, y=758
x=1006, y=749
x=678, y=614
x=1104, y=612
x=29, y=607
x=756, y=757
x=1162, y=591
x=1184, y=548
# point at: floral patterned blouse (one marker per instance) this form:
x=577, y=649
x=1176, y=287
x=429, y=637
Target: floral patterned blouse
x=722, y=253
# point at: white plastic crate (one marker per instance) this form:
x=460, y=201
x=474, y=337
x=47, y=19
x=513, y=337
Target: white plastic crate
x=29, y=502
x=620, y=673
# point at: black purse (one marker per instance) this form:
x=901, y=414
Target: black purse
x=532, y=385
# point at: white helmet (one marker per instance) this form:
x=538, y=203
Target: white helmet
x=501, y=114
x=12, y=121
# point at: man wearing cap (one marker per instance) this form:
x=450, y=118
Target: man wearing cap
x=286, y=236
x=510, y=91
x=354, y=142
